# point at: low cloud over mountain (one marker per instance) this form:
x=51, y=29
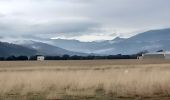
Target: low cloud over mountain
x=152, y=40
x=84, y=20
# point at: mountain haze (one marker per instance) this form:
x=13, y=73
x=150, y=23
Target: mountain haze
x=47, y=49
x=86, y=47
x=152, y=40
x=8, y=49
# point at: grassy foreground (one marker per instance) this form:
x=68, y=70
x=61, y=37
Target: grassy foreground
x=85, y=80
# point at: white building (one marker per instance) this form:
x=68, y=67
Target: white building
x=155, y=55
x=40, y=58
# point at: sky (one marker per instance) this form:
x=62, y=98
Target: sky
x=84, y=20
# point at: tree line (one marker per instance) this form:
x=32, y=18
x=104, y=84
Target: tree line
x=76, y=57
x=67, y=57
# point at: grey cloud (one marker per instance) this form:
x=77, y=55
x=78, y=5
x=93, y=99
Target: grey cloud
x=130, y=12
x=2, y=15
x=52, y=18
x=46, y=30
x=65, y=28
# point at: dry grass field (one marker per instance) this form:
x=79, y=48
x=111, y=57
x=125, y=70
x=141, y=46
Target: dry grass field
x=85, y=80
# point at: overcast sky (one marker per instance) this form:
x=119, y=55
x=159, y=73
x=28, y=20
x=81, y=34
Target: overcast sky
x=85, y=20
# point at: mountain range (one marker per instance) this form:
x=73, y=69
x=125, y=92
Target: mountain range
x=86, y=47
x=152, y=40
x=47, y=49
x=8, y=49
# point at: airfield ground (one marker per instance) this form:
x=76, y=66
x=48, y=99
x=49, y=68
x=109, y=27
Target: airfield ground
x=85, y=80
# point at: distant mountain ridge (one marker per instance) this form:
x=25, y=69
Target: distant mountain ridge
x=150, y=40
x=86, y=47
x=47, y=49
x=9, y=49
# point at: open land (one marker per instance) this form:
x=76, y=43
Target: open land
x=85, y=80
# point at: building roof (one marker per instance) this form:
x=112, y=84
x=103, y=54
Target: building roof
x=165, y=52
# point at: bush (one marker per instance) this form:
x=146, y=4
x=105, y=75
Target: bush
x=22, y=58
x=33, y=58
x=11, y=58
x=2, y=58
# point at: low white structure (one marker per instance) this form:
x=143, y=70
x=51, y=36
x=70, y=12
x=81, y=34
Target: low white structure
x=40, y=58
x=155, y=55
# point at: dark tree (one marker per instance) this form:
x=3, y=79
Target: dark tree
x=11, y=58
x=160, y=51
x=90, y=57
x=52, y=58
x=65, y=57
x=33, y=58
x=2, y=58
x=22, y=58
x=75, y=57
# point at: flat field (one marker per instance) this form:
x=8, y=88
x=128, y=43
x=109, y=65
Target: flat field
x=85, y=80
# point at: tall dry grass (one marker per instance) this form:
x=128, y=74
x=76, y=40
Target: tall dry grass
x=115, y=80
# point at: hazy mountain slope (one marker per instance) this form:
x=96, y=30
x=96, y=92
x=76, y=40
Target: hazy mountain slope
x=46, y=49
x=151, y=40
x=86, y=47
x=152, y=35
x=7, y=49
